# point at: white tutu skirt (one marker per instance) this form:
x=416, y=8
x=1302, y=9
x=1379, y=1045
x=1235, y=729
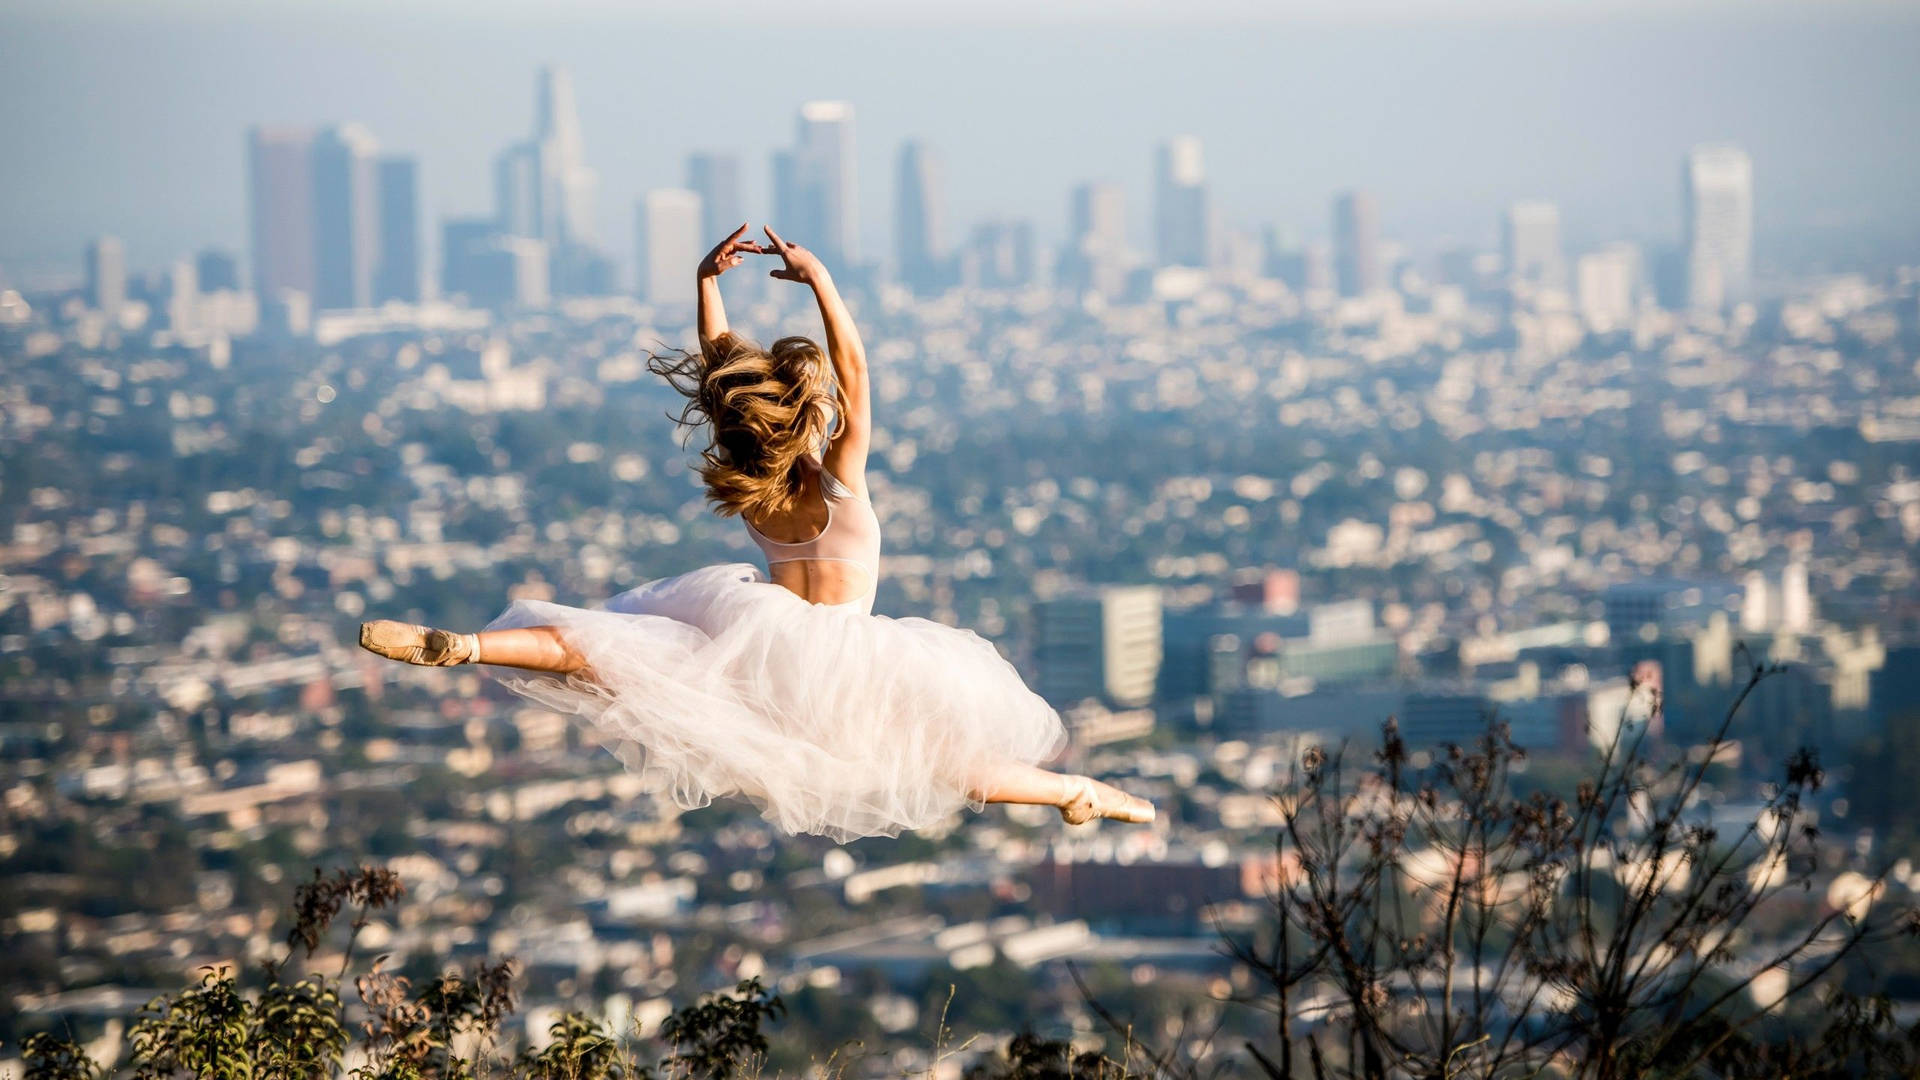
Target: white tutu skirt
x=833, y=721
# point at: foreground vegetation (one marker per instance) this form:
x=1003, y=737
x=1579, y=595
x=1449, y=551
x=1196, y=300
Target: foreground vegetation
x=1431, y=918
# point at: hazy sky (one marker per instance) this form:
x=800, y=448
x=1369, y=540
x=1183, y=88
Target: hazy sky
x=129, y=118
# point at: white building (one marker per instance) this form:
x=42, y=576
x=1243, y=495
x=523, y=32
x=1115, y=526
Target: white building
x=1605, y=285
x=1182, y=216
x=1100, y=643
x=1531, y=234
x=1719, y=228
x=669, y=246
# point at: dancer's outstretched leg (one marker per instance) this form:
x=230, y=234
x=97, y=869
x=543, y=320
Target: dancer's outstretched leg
x=1079, y=799
x=534, y=648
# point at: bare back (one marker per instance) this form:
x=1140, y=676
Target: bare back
x=826, y=548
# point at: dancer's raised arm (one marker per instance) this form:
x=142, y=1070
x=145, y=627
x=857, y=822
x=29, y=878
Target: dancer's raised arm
x=724, y=257
x=846, y=455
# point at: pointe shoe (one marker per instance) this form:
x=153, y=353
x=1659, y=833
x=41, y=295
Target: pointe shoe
x=420, y=645
x=1087, y=798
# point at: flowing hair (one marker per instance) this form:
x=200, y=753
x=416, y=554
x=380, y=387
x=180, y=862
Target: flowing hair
x=764, y=410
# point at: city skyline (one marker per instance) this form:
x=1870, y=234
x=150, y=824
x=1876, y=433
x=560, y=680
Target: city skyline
x=336, y=226
x=1832, y=138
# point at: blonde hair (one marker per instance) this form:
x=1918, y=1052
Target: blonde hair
x=764, y=410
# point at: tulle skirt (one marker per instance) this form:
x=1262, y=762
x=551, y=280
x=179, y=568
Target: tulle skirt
x=720, y=683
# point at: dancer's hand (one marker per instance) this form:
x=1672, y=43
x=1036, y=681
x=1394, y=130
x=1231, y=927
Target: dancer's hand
x=726, y=256
x=802, y=266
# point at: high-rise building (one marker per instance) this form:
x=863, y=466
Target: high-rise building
x=107, y=276
x=397, y=269
x=217, y=271
x=918, y=203
x=1357, y=260
x=1100, y=643
x=490, y=268
x=1182, y=215
x=346, y=217
x=281, y=217
x=516, y=190
x=1606, y=284
x=566, y=184
x=1301, y=267
x=813, y=183
x=1095, y=257
x=716, y=179
x=183, y=296
x=1530, y=231
x=1097, y=215
x=1718, y=196
x=544, y=191
x=1000, y=255
x=669, y=245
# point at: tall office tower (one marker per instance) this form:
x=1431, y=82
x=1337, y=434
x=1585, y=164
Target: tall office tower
x=280, y=189
x=1718, y=195
x=1099, y=643
x=183, y=296
x=397, y=273
x=543, y=189
x=669, y=243
x=1098, y=215
x=716, y=179
x=463, y=242
x=1531, y=234
x=916, y=207
x=1095, y=256
x=566, y=184
x=217, y=271
x=1606, y=283
x=813, y=184
x=516, y=190
x=107, y=276
x=346, y=217
x=1182, y=216
x=491, y=268
x=1000, y=255
x=1356, y=241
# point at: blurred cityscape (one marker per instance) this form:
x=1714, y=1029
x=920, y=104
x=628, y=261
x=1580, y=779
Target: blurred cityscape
x=1218, y=500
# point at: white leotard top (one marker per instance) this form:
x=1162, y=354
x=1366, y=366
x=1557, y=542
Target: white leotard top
x=851, y=535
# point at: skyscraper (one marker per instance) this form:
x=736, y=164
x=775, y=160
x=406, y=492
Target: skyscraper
x=397, y=273
x=566, y=184
x=1606, y=284
x=1001, y=255
x=1099, y=643
x=1531, y=234
x=107, y=276
x=1182, y=215
x=217, y=271
x=1718, y=195
x=280, y=191
x=917, y=206
x=491, y=268
x=346, y=217
x=516, y=190
x=544, y=191
x=716, y=179
x=813, y=183
x=1095, y=256
x=669, y=245
x=1358, y=266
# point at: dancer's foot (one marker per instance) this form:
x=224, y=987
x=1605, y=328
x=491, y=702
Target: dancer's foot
x=1087, y=798
x=421, y=645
